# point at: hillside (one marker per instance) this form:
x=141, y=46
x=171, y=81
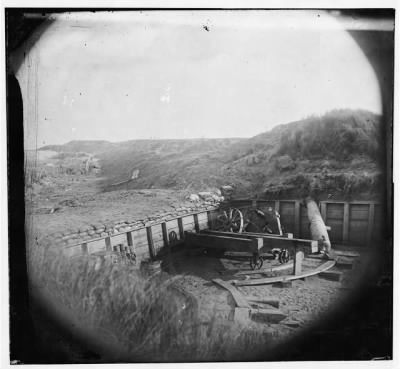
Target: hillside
x=338, y=155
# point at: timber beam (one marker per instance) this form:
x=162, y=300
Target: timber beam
x=227, y=243
x=270, y=242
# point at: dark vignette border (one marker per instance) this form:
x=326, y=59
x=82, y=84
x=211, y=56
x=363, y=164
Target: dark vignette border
x=361, y=329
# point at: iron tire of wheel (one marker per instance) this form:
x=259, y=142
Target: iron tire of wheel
x=284, y=256
x=173, y=237
x=256, y=262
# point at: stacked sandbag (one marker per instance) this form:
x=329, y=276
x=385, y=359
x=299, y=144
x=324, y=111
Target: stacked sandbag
x=227, y=191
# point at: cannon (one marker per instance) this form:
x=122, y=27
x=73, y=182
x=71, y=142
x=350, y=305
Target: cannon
x=249, y=230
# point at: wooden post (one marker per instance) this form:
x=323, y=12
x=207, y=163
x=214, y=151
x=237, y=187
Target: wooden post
x=180, y=227
x=209, y=220
x=150, y=242
x=165, y=234
x=346, y=218
x=298, y=261
x=323, y=211
x=371, y=218
x=84, y=248
x=108, y=244
x=277, y=205
x=254, y=203
x=129, y=238
x=196, y=223
x=297, y=218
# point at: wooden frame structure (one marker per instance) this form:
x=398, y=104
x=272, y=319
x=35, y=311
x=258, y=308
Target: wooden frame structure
x=351, y=223
x=252, y=243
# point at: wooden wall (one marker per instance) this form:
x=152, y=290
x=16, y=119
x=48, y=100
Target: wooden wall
x=149, y=241
x=356, y=223
x=352, y=223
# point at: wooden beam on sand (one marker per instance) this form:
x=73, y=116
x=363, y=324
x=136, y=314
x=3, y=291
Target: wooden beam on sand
x=345, y=262
x=350, y=254
x=267, y=315
x=269, y=300
x=259, y=281
x=253, y=245
x=240, y=300
x=332, y=275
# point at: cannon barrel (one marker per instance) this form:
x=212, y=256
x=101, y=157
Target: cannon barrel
x=318, y=229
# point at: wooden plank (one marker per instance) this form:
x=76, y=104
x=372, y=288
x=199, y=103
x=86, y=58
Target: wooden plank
x=150, y=242
x=267, y=315
x=291, y=323
x=270, y=300
x=165, y=234
x=318, y=256
x=345, y=260
x=346, y=222
x=351, y=254
x=359, y=212
x=352, y=202
x=254, y=282
x=180, y=227
x=297, y=218
x=240, y=301
x=371, y=219
x=196, y=222
x=334, y=211
x=225, y=243
x=270, y=241
x=332, y=275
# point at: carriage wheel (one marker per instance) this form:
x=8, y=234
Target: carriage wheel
x=173, y=237
x=284, y=256
x=256, y=262
x=231, y=221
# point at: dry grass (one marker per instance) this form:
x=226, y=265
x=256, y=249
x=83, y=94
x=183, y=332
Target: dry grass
x=145, y=320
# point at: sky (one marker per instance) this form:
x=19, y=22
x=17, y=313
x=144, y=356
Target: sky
x=137, y=75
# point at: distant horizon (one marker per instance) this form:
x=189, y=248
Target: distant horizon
x=202, y=138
